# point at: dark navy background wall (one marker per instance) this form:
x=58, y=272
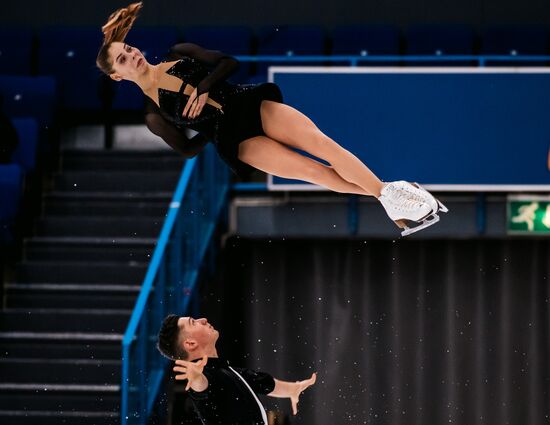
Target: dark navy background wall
x=256, y=12
x=400, y=332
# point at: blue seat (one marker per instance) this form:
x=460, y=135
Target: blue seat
x=289, y=41
x=439, y=40
x=365, y=40
x=154, y=43
x=233, y=40
x=25, y=154
x=515, y=40
x=11, y=184
x=15, y=51
x=30, y=96
x=69, y=54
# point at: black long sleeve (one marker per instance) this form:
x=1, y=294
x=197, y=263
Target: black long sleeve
x=222, y=65
x=172, y=135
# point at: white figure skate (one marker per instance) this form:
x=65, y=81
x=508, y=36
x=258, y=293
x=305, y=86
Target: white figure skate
x=406, y=203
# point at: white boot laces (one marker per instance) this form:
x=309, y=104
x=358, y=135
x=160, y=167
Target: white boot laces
x=404, y=202
x=409, y=204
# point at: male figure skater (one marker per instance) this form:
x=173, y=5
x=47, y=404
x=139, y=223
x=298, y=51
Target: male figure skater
x=221, y=394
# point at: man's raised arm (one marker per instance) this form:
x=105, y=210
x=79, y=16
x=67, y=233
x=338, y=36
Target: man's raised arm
x=292, y=390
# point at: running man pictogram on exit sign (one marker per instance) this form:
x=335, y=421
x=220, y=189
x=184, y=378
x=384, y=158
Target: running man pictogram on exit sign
x=529, y=214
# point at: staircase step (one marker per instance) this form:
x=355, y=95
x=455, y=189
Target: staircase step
x=128, y=208
x=101, y=155
x=78, y=181
x=107, y=203
x=88, y=253
x=41, y=398
x=101, y=196
x=132, y=160
x=89, y=249
x=66, y=320
x=61, y=371
x=121, y=274
x=33, y=345
x=27, y=417
x=63, y=296
x=60, y=337
x=29, y=299
x=141, y=227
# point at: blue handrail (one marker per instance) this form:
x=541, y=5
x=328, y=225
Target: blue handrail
x=170, y=279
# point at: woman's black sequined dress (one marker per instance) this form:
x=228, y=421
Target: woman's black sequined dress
x=237, y=120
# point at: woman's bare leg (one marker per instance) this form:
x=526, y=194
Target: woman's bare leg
x=275, y=158
x=289, y=126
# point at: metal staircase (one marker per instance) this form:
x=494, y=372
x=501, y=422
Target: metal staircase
x=72, y=296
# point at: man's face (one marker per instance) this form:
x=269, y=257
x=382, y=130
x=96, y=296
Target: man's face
x=197, y=332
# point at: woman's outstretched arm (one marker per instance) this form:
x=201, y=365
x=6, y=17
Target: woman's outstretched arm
x=223, y=66
x=175, y=138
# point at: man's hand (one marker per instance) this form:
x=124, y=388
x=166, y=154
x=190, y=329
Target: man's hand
x=194, y=105
x=192, y=371
x=301, y=386
x=292, y=390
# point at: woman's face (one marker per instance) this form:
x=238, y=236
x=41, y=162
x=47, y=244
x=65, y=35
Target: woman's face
x=128, y=62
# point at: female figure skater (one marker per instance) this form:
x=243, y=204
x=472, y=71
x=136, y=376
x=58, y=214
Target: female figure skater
x=249, y=124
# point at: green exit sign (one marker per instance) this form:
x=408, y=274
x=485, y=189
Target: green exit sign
x=529, y=214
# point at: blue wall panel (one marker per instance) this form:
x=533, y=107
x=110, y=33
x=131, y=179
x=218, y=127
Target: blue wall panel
x=478, y=127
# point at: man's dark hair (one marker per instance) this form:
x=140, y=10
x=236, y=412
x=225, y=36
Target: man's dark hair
x=168, y=339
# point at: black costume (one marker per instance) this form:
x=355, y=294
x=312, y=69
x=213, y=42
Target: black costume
x=237, y=120
x=229, y=398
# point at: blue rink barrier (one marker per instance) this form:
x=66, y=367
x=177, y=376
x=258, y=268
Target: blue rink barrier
x=170, y=280
x=466, y=129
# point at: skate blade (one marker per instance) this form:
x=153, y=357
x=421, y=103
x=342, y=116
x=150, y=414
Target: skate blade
x=442, y=208
x=427, y=222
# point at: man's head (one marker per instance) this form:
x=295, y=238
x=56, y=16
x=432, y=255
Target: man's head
x=186, y=338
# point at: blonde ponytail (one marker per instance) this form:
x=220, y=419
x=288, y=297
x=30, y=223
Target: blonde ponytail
x=117, y=27
x=120, y=22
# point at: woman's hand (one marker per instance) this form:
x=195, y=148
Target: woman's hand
x=194, y=105
x=300, y=387
x=192, y=371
